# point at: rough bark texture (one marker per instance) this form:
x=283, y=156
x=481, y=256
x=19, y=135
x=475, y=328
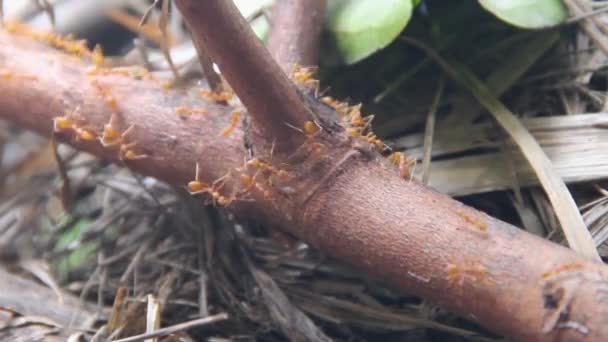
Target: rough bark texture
x=342, y=198
x=296, y=30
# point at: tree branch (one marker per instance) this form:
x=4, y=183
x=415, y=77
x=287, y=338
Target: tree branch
x=270, y=97
x=296, y=32
x=344, y=200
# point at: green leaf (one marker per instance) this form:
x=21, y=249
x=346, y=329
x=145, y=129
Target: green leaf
x=362, y=27
x=77, y=258
x=80, y=255
x=72, y=234
x=528, y=14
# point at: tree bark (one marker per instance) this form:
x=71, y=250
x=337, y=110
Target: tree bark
x=339, y=196
x=296, y=31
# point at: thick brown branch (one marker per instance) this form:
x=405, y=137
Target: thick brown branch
x=363, y=212
x=270, y=97
x=296, y=32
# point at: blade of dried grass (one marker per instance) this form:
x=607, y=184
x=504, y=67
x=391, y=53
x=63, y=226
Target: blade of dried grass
x=573, y=226
x=519, y=59
x=572, y=223
x=152, y=317
x=429, y=131
x=176, y=328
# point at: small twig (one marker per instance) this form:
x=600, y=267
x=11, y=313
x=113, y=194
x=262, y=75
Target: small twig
x=429, y=131
x=117, y=309
x=148, y=12
x=176, y=328
x=152, y=317
x=66, y=193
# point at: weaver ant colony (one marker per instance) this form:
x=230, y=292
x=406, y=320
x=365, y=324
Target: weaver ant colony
x=73, y=47
x=358, y=126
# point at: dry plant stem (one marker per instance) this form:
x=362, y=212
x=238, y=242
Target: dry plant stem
x=269, y=96
x=296, y=32
x=422, y=241
x=589, y=25
x=429, y=130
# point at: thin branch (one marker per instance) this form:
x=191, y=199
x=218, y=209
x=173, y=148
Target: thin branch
x=296, y=32
x=429, y=131
x=270, y=97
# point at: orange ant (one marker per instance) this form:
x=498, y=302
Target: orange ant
x=181, y=110
x=404, y=163
x=356, y=120
x=340, y=107
x=126, y=150
x=132, y=72
x=84, y=134
x=127, y=153
x=354, y=131
x=69, y=122
x=470, y=270
x=311, y=128
x=75, y=47
x=222, y=96
x=475, y=221
x=110, y=136
x=95, y=71
x=97, y=56
x=249, y=183
x=560, y=269
x=305, y=76
x=372, y=139
x=7, y=75
x=266, y=167
x=234, y=121
x=107, y=96
x=197, y=186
